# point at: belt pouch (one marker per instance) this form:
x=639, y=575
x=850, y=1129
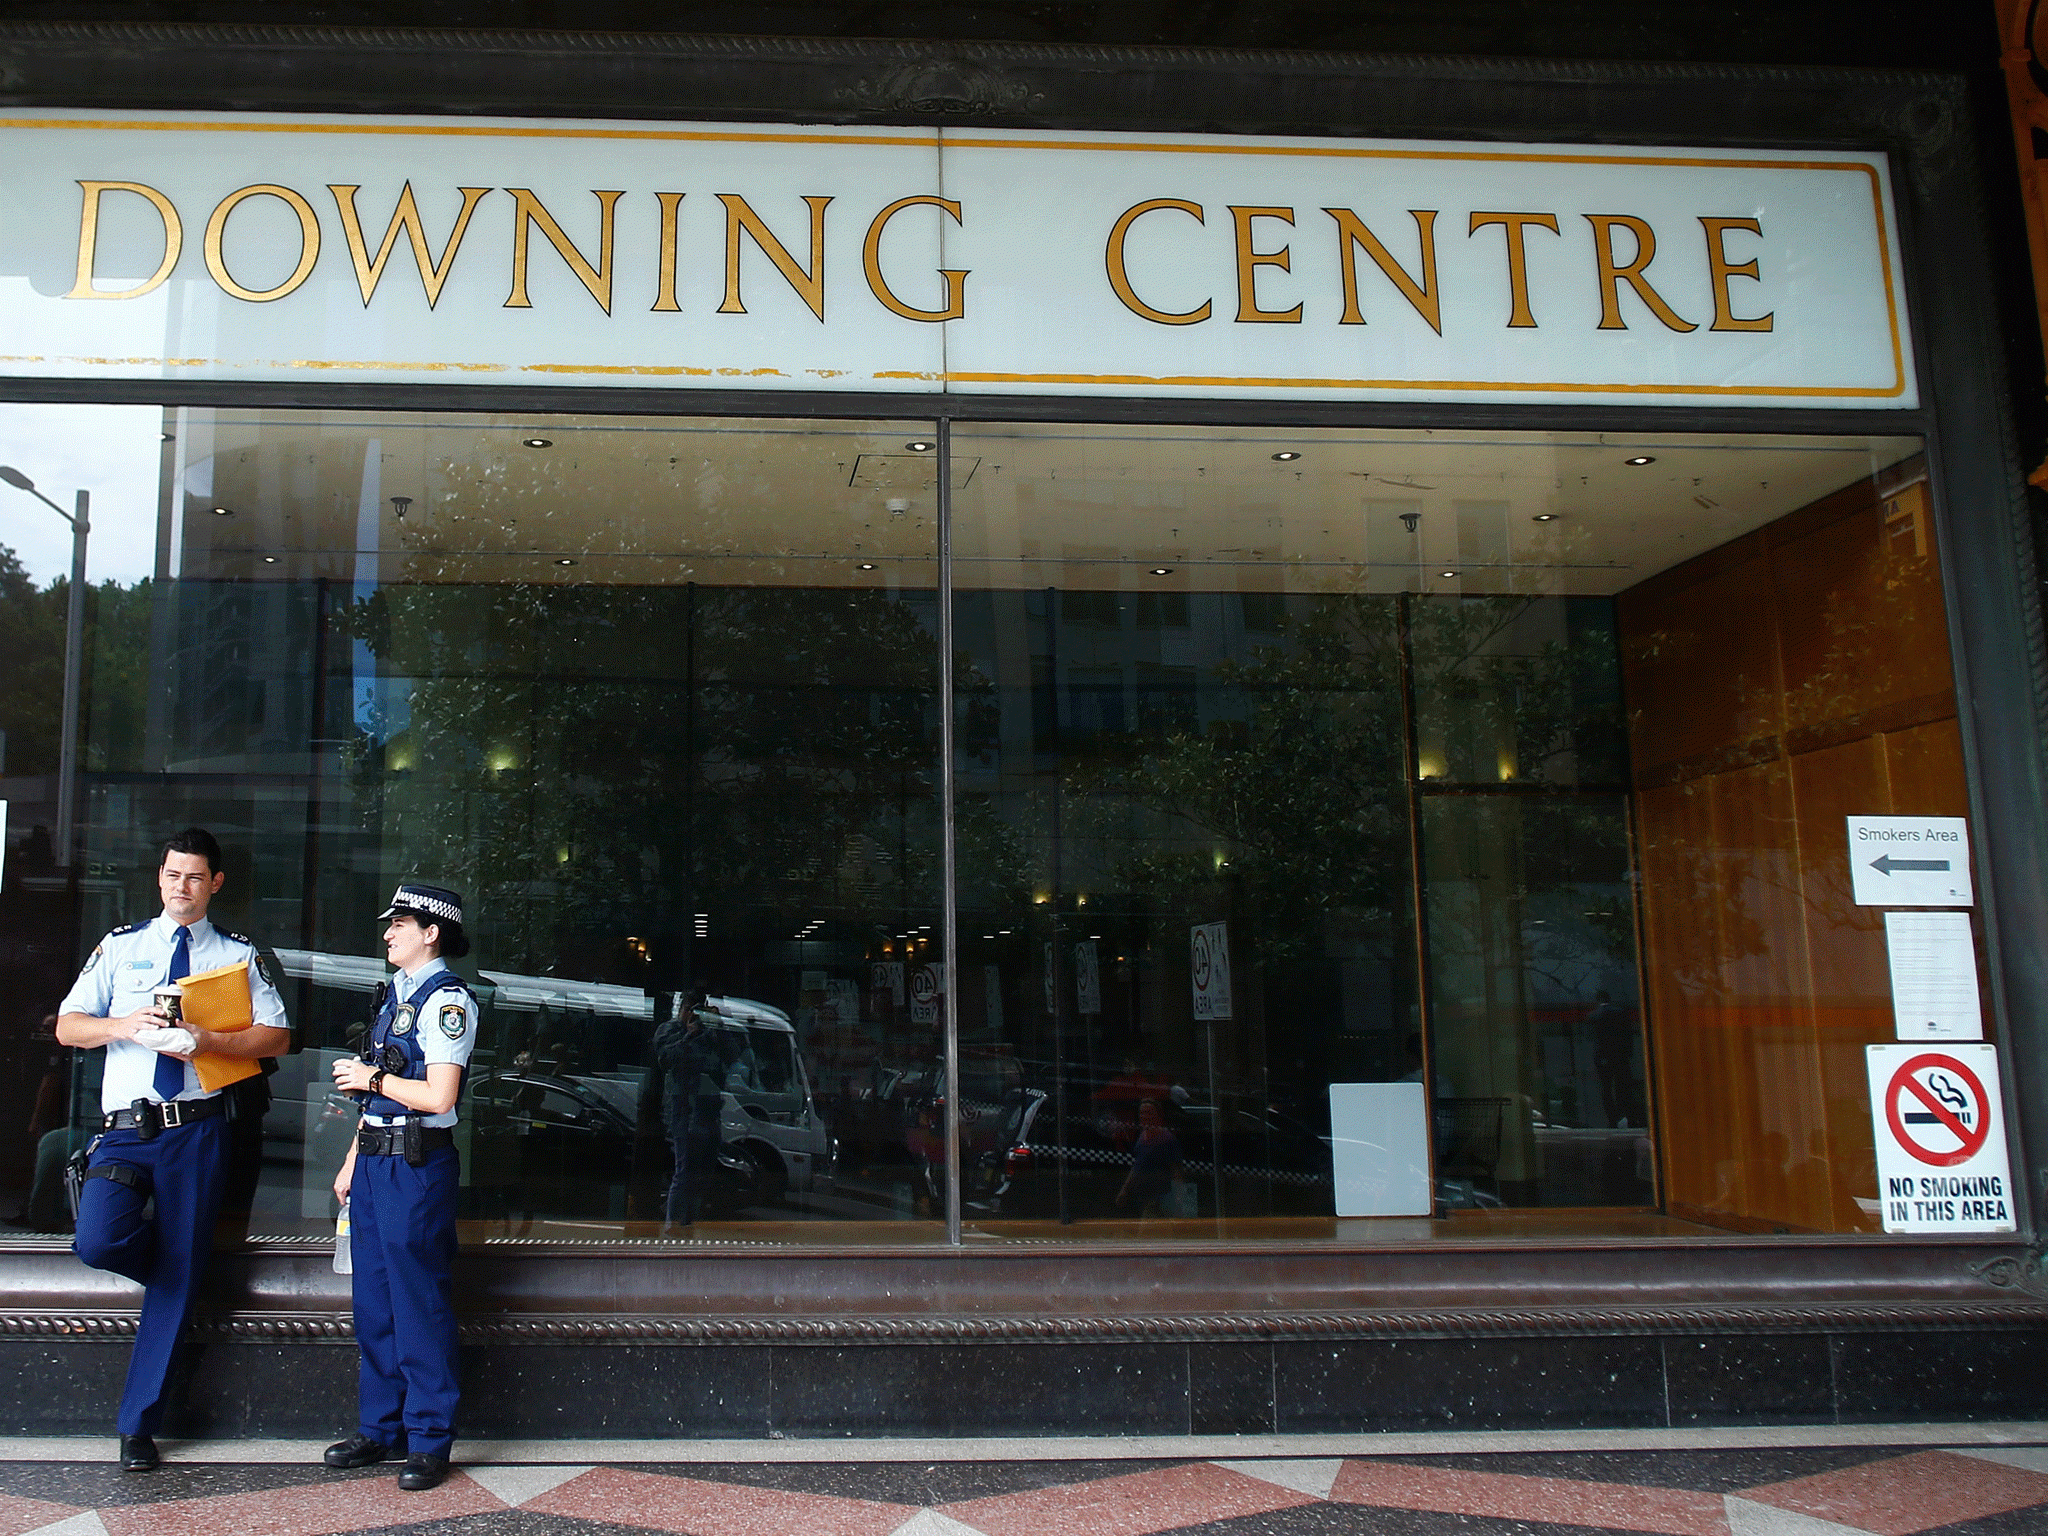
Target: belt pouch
x=415, y=1143
x=149, y=1119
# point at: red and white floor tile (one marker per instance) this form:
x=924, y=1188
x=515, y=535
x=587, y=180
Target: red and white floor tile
x=1862, y=1489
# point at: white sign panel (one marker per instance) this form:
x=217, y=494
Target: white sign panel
x=1934, y=976
x=1909, y=861
x=1209, y=969
x=1087, y=978
x=1379, y=1146
x=928, y=260
x=926, y=983
x=1940, y=1131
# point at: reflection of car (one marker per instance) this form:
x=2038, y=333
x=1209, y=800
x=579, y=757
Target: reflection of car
x=1266, y=1162
x=545, y=1145
x=767, y=1118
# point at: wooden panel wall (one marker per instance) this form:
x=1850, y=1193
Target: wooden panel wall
x=1775, y=685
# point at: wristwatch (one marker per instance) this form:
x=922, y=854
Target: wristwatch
x=376, y=1077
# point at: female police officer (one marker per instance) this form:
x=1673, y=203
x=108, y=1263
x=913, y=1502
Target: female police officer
x=400, y=1179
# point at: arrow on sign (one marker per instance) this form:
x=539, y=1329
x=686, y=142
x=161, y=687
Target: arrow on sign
x=1885, y=864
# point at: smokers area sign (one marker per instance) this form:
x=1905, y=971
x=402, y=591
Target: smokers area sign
x=1941, y=1155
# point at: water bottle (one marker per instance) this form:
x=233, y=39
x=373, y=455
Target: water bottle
x=343, y=1264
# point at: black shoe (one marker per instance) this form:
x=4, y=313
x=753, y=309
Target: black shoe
x=356, y=1451
x=422, y=1472
x=138, y=1454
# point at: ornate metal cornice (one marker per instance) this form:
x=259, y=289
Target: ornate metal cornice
x=1306, y=1327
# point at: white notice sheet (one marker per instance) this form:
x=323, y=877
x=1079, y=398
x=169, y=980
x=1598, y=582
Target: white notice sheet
x=1934, y=976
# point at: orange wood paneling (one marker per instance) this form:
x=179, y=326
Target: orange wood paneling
x=1777, y=685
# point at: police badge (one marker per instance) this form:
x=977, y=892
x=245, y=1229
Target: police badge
x=452, y=1021
x=401, y=1022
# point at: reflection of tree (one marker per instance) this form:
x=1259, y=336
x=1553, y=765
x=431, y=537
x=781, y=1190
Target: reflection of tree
x=32, y=669
x=1297, y=774
x=585, y=759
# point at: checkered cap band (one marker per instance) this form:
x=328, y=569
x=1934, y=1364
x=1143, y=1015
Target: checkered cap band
x=425, y=900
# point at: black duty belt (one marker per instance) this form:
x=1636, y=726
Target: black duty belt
x=411, y=1141
x=150, y=1118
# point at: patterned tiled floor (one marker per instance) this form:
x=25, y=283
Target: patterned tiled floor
x=1858, y=1490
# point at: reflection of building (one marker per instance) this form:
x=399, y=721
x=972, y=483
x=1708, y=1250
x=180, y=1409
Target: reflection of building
x=1514, y=712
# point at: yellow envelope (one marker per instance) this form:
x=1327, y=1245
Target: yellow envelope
x=219, y=1000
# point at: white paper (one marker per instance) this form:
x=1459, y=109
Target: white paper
x=1379, y=1147
x=1934, y=976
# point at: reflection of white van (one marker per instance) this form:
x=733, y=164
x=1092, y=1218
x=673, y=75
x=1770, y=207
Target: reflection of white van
x=767, y=1120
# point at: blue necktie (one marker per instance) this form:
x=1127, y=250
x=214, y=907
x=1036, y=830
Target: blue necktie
x=170, y=1072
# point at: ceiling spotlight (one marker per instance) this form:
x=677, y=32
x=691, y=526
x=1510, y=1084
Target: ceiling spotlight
x=1544, y=517
x=270, y=559
x=540, y=442
x=1447, y=574
x=1162, y=570
x=867, y=565
x=1641, y=459
x=165, y=437
x=565, y=560
x=223, y=512
x=919, y=446
x=1286, y=457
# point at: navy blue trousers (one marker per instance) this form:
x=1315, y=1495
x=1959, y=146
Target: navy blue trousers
x=187, y=1168
x=402, y=1243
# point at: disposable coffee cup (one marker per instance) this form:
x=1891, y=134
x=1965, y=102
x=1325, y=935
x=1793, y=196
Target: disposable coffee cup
x=170, y=1001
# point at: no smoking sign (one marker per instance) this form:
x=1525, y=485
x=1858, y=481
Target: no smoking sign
x=1940, y=1131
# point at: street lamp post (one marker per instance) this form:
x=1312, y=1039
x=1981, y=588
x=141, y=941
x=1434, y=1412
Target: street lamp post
x=74, y=645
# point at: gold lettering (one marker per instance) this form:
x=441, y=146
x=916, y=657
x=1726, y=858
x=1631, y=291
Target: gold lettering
x=1248, y=263
x=370, y=272
x=89, y=234
x=1351, y=231
x=665, y=279
x=1520, y=317
x=809, y=286
x=309, y=242
x=871, y=263
x=1613, y=272
x=1720, y=269
x=1120, y=277
x=598, y=279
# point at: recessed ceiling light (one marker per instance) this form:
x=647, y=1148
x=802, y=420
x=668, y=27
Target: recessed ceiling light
x=919, y=446
x=1286, y=457
x=867, y=565
x=1640, y=459
x=223, y=512
x=565, y=560
x=540, y=442
x=270, y=559
x=1447, y=574
x=1162, y=570
x=1544, y=517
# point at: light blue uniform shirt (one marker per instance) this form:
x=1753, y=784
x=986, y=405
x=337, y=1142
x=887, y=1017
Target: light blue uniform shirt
x=446, y=1021
x=129, y=965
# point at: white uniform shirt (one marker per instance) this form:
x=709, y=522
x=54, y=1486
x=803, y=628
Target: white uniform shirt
x=129, y=965
x=446, y=1021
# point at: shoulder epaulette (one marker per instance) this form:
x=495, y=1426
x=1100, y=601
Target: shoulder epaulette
x=128, y=928
x=235, y=938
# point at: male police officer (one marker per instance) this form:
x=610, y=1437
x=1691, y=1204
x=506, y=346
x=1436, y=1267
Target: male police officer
x=163, y=1136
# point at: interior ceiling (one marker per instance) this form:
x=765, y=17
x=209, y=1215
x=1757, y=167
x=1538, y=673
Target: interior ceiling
x=732, y=502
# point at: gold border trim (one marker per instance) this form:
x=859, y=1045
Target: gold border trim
x=938, y=138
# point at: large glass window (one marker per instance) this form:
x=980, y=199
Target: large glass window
x=1361, y=834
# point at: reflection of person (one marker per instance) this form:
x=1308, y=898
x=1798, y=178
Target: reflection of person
x=1155, y=1162
x=163, y=1136
x=1614, y=1049
x=687, y=1059
x=400, y=1180
x=1119, y=1101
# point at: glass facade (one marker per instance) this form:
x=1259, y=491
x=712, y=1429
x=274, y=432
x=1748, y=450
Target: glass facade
x=1360, y=833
